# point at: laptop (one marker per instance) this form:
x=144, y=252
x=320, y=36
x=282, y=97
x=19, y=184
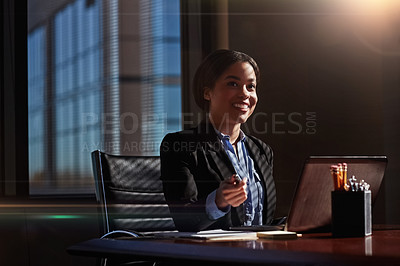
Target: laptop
x=311, y=204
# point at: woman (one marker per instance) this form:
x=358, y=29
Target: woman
x=215, y=176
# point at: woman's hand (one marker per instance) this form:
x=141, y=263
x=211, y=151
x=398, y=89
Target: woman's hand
x=231, y=192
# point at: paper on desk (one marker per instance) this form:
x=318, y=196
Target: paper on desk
x=211, y=235
x=285, y=235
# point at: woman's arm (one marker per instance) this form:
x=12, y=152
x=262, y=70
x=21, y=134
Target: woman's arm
x=186, y=202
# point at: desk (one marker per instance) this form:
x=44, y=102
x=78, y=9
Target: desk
x=382, y=248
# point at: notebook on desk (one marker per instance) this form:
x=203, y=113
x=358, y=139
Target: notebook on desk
x=311, y=204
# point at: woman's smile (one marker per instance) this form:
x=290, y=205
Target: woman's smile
x=242, y=106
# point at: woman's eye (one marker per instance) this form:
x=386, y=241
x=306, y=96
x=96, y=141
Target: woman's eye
x=232, y=83
x=251, y=86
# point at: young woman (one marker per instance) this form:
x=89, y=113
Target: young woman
x=215, y=176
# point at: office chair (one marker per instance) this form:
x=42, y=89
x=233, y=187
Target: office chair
x=130, y=195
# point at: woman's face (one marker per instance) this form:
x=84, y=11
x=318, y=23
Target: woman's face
x=234, y=95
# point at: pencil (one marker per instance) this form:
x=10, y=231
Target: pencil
x=334, y=172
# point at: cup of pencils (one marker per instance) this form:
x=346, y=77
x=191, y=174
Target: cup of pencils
x=351, y=204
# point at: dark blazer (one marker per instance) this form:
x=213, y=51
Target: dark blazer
x=193, y=163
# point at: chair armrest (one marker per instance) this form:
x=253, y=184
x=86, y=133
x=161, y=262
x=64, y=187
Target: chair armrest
x=118, y=233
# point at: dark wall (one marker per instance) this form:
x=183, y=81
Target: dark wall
x=37, y=232
x=328, y=87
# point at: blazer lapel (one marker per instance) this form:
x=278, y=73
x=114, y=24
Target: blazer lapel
x=215, y=152
x=222, y=163
x=258, y=158
x=264, y=170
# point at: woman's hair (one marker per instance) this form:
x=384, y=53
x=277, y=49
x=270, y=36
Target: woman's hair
x=213, y=66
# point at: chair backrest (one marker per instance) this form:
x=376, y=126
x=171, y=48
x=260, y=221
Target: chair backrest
x=130, y=193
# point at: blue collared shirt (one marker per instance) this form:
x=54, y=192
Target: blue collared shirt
x=244, y=167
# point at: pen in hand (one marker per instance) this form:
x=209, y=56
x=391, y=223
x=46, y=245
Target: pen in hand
x=232, y=191
x=237, y=179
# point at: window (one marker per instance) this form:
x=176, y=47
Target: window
x=87, y=92
x=161, y=65
x=36, y=100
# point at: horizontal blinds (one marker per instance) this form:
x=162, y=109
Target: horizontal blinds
x=75, y=102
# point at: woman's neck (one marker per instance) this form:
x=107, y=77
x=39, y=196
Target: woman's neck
x=223, y=126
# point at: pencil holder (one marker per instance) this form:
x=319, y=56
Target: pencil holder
x=351, y=213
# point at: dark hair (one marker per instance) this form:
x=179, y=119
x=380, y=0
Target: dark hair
x=213, y=66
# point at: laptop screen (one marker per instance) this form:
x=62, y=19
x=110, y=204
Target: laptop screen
x=311, y=205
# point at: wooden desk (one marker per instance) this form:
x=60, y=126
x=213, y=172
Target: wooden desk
x=382, y=248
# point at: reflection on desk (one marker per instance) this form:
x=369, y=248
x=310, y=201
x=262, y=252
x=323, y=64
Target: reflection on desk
x=312, y=249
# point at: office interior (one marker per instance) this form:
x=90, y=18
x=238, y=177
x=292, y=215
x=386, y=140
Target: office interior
x=329, y=86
